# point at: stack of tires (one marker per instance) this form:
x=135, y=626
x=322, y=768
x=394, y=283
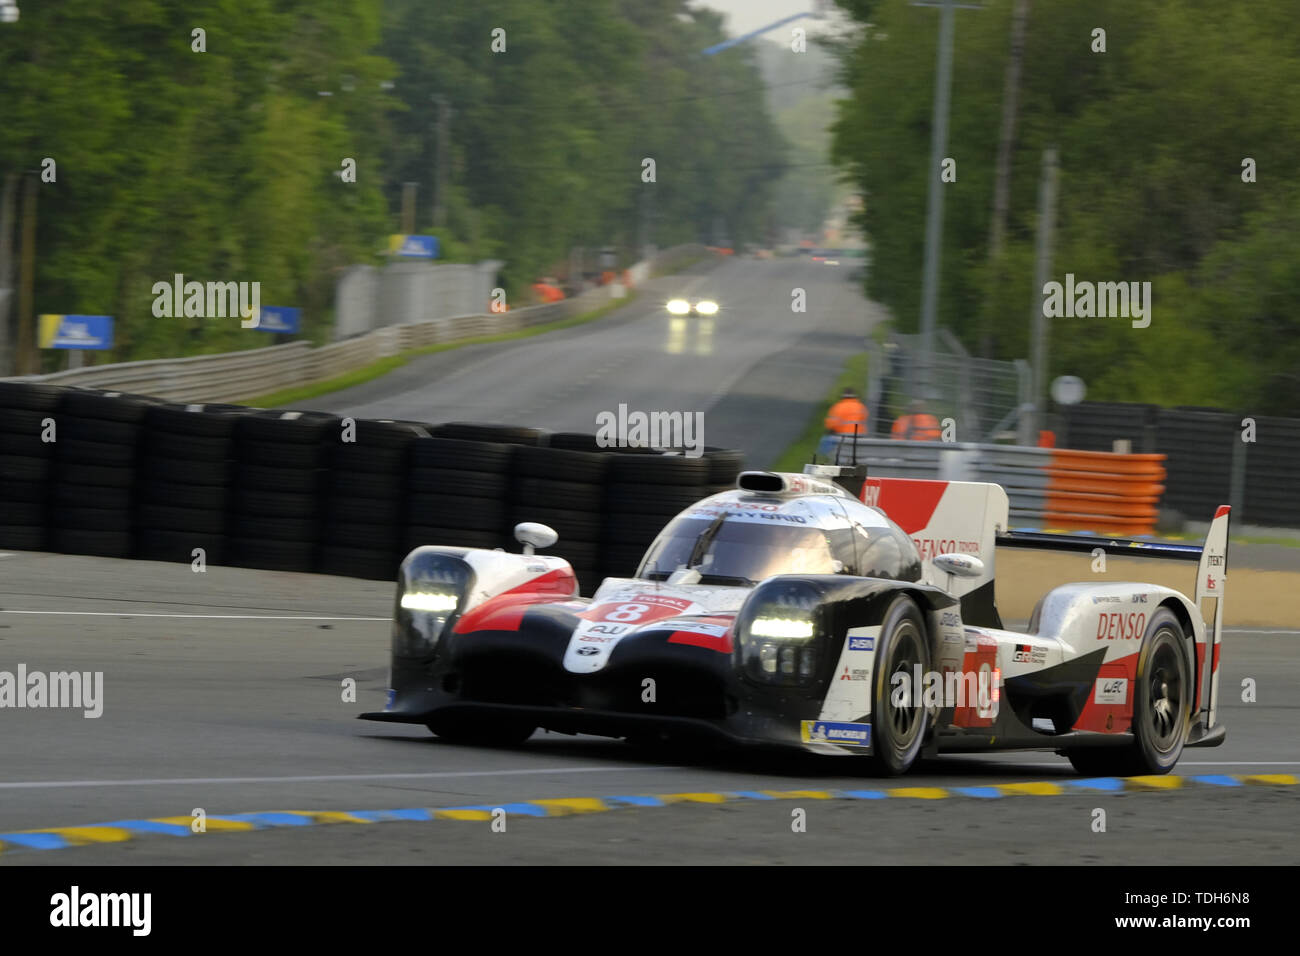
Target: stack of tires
x=185, y=477
x=725, y=465
x=642, y=493
x=502, y=434
x=563, y=489
x=277, y=506
x=92, y=496
x=25, y=462
x=364, y=533
x=457, y=493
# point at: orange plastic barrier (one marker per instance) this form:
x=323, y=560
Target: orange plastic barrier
x=1104, y=491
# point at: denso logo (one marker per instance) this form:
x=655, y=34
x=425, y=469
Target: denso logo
x=1117, y=626
x=932, y=547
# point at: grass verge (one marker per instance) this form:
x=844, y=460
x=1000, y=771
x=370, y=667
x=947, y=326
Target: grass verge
x=359, y=376
x=800, y=452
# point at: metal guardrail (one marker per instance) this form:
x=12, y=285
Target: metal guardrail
x=237, y=376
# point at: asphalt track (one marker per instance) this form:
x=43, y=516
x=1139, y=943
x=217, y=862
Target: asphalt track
x=224, y=691
x=755, y=371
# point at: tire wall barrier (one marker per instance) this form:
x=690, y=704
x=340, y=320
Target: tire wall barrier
x=85, y=471
x=1212, y=456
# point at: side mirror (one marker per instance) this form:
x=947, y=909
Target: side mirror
x=532, y=534
x=962, y=565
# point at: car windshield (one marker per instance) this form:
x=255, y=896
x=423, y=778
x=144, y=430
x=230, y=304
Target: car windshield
x=738, y=552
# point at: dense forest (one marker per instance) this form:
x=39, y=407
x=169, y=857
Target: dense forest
x=1152, y=137
x=211, y=138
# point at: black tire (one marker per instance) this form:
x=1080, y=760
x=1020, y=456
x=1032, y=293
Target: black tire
x=104, y=544
x=169, y=518
x=476, y=431
x=289, y=455
x=277, y=530
x=274, y=504
x=109, y=406
x=22, y=537
x=200, y=421
x=181, y=495
x=471, y=484
x=483, y=731
x=362, y=535
x=24, y=421
x=30, y=395
x=292, y=428
x=364, y=563
x=375, y=511
x=545, y=493
x=25, y=445
x=303, y=481
x=622, y=498
x=11, y=490
x=248, y=552
x=69, y=495
x=461, y=455
x=93, y=429
x=188, y=447
x=346, y=484
x=1163, y=692
x=155, y=545
x=557, y=464
x=94, y=453
x=385, y=433
x=24, y=467
x=90, y=518
x=103, y=476
x=454, y=511
x=419, y=535
x=24, y=512
x=898, y=724
x=658, y=470
x=211, y=474
x=724, y=465
x=580, y=441
x=364, y=459
x=635, y=531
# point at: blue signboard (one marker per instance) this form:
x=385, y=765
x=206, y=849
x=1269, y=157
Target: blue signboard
x=76, y=331
x=413, y=247
x=279, y=318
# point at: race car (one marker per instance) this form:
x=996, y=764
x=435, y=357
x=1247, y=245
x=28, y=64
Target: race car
x=793, y=612
x=692, y=307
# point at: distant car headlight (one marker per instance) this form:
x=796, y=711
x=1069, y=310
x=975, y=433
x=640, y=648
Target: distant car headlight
x=679, y=306
x=706, y=307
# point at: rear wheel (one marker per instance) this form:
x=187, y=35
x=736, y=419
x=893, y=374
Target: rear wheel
x=494, y=731
x=1162, y=707
x=899, y=719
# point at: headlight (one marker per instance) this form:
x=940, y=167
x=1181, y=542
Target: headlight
x=430, y=590
x=679, y=306
x=706, y=307
x=778, y=630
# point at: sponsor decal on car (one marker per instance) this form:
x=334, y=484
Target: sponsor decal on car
x=1117, y=626
x=862, y=643
x=855, y=673
x=1105, y=599
x=835, y=732
x=1111, y=690
x=1029, y=654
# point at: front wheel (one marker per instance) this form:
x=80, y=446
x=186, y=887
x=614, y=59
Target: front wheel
x=1162, y=707
x=899, y=720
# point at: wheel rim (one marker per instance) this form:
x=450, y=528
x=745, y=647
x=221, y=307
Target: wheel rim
x=904, y=722
x=1165, y=695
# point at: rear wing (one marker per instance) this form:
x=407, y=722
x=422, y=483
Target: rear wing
x=1211, y=584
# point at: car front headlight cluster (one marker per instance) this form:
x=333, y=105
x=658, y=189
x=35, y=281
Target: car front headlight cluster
x=679, y=307
x=706, y=307
x=778, y=630
x=431, y=590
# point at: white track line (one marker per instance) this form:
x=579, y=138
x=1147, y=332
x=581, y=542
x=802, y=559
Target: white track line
x=204, y=617
x=331, y=778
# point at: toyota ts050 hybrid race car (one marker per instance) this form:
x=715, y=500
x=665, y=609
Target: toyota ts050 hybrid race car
x=692, y=307
x=788, y=612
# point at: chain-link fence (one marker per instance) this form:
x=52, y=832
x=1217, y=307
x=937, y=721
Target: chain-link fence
x=983, y=397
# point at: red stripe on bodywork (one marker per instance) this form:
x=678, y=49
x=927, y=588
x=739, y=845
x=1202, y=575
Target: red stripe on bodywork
x=505, y=611
x=719, y=642
x=1222, y=510
x=909, y=502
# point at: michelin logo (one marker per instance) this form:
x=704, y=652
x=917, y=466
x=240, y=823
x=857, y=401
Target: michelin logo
x=831, y=732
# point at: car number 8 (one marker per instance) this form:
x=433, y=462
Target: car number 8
x=627, y=612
